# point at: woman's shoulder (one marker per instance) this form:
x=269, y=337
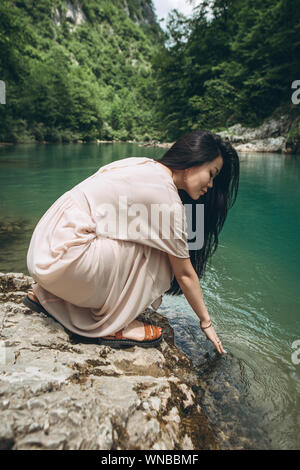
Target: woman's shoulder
x=146, y=178
x=124, y=163
x=140, y=170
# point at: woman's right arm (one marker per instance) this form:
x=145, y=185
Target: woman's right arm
x=190, y=285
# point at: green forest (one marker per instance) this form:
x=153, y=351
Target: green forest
x=112, y=73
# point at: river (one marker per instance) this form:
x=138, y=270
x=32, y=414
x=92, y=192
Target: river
x=251, y=288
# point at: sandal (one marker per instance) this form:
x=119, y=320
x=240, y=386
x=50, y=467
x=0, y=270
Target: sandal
x=31, y=301
x=151, y=340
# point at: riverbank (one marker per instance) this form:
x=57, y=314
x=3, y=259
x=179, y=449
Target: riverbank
x=62, y=391
x=273, y=136
x=154, y=143
x=280, y=133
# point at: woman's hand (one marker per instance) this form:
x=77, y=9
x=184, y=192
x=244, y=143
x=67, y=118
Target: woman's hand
x=189, y=283
x=208, y=329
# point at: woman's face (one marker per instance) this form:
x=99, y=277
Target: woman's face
x=199, y=178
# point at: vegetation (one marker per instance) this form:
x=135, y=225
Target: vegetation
x=87, y=81
x=116, y=75
x=236, y=64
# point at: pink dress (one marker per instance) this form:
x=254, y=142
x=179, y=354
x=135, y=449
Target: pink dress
x=96, y=270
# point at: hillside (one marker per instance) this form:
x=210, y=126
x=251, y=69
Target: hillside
x=94, y=69
x=77, y=69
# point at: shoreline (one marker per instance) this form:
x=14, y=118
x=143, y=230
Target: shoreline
x=260, y=146
x=70, y=380
x=172, y=406
x=144, y=144
x=279, y=133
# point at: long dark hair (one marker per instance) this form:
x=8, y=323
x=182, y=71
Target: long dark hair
x=196, y=148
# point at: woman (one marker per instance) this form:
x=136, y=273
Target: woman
x=96, y=269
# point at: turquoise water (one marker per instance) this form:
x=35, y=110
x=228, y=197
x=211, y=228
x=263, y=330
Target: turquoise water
x=251, y=288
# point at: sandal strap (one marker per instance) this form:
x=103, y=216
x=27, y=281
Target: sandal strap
x=119, y=335
x=33, y=297
x=155, y=331
x=151, y=332
x=147, y=331
x=158, y=332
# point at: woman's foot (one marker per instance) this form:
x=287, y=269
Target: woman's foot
x=31, y=301
x=135, y=334
x=136, y=330
x=33, y=297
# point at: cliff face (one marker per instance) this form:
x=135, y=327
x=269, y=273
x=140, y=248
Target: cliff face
x=86, y=67
x=72, y=12
x=141, y=12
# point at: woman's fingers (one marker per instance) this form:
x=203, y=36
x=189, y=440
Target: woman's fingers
x=221, y=349
x=212, y=336
x=219, y=346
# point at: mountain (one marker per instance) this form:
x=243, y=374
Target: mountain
x=78, y=70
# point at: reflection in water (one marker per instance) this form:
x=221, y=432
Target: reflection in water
x=250, y=288
x=11, y=228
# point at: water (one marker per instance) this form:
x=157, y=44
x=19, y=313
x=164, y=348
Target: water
x=250, y=288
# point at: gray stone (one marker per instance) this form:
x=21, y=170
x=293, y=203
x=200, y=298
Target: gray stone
x=279, y=133
x=71, y=11
x=59, y=391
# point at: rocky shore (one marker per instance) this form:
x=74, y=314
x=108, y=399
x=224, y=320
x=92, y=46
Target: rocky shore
x=280, y=133
x=61, y=391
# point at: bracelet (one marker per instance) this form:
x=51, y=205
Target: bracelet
x=204, y=328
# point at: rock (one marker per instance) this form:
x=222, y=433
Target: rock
x=72, y=12
x=275, y=145
x=142, y=13
x=61, y=391
x=157, y=144
x=11, y=228
x=293, y=139
x=278, y=133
